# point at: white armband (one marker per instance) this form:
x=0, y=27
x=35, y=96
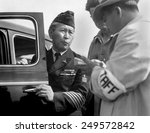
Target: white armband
x=106, y=85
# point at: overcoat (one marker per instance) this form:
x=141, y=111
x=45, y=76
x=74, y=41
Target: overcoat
x=129, y=64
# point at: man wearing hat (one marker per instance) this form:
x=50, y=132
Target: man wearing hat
x=124, y=85
x=68, y=88
x=100, y=49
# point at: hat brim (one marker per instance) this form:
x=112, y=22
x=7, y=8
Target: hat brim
x=97, y=11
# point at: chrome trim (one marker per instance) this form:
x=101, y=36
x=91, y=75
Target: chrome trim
x=23, y=83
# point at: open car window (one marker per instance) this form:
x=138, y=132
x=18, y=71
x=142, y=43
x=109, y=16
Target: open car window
x=25, y=50
x=18, y=44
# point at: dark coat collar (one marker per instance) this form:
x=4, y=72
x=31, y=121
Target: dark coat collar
x=65, y=60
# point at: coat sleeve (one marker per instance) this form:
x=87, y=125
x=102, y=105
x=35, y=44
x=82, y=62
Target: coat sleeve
x=72, y=100
x=128, y=66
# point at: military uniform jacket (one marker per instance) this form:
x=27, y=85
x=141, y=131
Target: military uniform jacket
x=69, y=84
x=124, y=84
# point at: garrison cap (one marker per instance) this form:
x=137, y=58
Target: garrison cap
x=66, y=18
x=103, y=3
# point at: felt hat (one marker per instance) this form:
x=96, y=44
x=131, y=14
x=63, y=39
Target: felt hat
x=91, y=4
x=104, y=3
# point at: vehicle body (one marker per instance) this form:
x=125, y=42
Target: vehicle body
x=16, y=43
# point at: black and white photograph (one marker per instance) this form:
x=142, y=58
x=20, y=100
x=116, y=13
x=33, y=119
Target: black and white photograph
x=77, y=58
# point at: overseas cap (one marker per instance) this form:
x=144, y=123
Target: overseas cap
x=66, y=18
x=103, y=3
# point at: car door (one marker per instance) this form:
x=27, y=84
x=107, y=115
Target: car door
x=22, y=58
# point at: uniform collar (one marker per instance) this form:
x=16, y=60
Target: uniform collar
x=61, y=53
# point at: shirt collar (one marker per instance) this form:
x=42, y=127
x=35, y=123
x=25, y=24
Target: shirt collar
x=61, y=53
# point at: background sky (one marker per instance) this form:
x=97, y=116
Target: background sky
x=85, y=28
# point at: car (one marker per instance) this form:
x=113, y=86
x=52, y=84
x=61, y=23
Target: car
x=21, y=38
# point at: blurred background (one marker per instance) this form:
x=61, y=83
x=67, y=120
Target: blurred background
x=85, y=28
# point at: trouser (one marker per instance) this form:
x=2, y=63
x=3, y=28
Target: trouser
x=97, y=105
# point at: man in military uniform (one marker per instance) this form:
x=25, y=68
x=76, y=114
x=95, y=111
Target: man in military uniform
x=68, y=86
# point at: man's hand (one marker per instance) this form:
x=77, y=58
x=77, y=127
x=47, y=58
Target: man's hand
x=45, y=91
x=99, y=63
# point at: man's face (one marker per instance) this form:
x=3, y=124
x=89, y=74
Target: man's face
x=107, y=19
x=105, y=31
x=62, y=37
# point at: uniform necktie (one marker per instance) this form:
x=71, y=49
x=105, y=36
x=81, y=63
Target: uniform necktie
x=57, y=55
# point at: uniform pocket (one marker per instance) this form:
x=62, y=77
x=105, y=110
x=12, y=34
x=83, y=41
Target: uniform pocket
x=67, y=76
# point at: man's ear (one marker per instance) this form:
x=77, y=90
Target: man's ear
x=119, y=11
x=51, y=33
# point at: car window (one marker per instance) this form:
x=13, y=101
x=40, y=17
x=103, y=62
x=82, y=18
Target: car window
x=18, y=46
x=24, y=49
